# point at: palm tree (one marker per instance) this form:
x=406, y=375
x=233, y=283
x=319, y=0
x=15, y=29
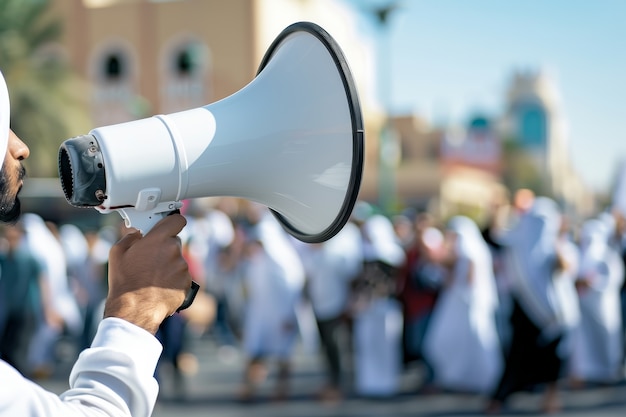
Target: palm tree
x=45, y=102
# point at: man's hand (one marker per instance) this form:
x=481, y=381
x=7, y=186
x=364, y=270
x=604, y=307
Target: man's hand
x=148, y=276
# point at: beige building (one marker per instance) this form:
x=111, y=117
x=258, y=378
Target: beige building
x=177, y=54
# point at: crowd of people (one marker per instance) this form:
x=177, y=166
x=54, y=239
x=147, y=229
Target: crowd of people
x=520, y=301
x=527, y=301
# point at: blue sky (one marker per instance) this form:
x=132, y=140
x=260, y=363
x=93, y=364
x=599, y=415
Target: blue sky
x=453, y=58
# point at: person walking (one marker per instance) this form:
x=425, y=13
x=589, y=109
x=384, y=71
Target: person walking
x=20, y=298
x=330, y=268
x=532, y=261
x=274, y=280
x=465, y=316
x=598, y=342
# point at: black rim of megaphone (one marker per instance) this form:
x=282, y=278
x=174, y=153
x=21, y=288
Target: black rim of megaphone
x=357, y=130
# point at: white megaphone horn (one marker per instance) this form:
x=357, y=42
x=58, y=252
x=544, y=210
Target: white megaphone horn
x=292, y=140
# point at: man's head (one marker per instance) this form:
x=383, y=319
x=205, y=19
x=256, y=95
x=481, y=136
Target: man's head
x=12, y=152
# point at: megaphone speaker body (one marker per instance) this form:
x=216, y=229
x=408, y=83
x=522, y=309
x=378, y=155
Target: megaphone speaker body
x=292, y=140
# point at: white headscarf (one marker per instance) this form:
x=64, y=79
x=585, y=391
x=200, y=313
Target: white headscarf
x=471, y=245
x=532, y=257
x=597, y=252
x=5, y=117
x=381, y=243
x=593, y=244
x=469, y=240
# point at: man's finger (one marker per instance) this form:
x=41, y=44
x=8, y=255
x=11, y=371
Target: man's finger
x=127, y=241
x=169, y=226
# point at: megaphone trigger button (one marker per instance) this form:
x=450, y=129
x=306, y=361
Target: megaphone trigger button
x=148, y=198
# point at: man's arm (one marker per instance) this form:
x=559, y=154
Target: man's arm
x=148, y=279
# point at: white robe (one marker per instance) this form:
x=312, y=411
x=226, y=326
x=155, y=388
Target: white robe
x=531, y=261
x=565, y=293
x=461, y=342
x=598, y=343
x=377, y=359
x=48, y=251
x=378, y=325
x=274, y=279
x=330, y=268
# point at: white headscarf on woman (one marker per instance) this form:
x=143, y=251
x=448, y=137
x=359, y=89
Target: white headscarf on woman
x=610, y=222
x=471, y=245
x=381, y=243
x=593, y=245
x=532, y=258
x=464, y=316
x=5, y=117
x=595, y=250
x=598, y=343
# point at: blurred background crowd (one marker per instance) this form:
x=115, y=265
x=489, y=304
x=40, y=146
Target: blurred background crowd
x=487, y=247
x=527, y=300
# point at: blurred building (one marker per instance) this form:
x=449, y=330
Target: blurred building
x=460, y=169
x=144, y=56
x=418, y=172
x=448, y=170
x=471, y=159
x=533, y=118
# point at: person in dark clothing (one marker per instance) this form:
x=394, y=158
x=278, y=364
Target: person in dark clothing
x=20, y=301
x=532, y=257
x=418, y=289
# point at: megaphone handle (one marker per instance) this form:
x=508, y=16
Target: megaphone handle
x=144, y=221
x=191, y=295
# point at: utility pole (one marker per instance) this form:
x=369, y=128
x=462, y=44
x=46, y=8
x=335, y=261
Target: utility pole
x=389, y=148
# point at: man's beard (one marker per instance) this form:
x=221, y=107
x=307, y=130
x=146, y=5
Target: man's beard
x=10, y=206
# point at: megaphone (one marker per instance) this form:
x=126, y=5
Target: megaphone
x=292, y=140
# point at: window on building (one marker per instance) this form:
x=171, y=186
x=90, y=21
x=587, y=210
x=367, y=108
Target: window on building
x=184, y=64
x=114, y=69
x=186, y=61
x=532, y=125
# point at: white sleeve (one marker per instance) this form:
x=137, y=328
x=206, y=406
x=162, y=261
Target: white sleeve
x=114, y=377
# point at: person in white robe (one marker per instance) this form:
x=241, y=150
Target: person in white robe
x=377, y=316
x=462, y=343
x=331, y=267
x=274, y=280
x=565, y=292
x=60, y=305
x=87, y=275
x=208, y=232
x=598, y=343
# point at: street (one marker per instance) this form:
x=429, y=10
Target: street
x=212, y=391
